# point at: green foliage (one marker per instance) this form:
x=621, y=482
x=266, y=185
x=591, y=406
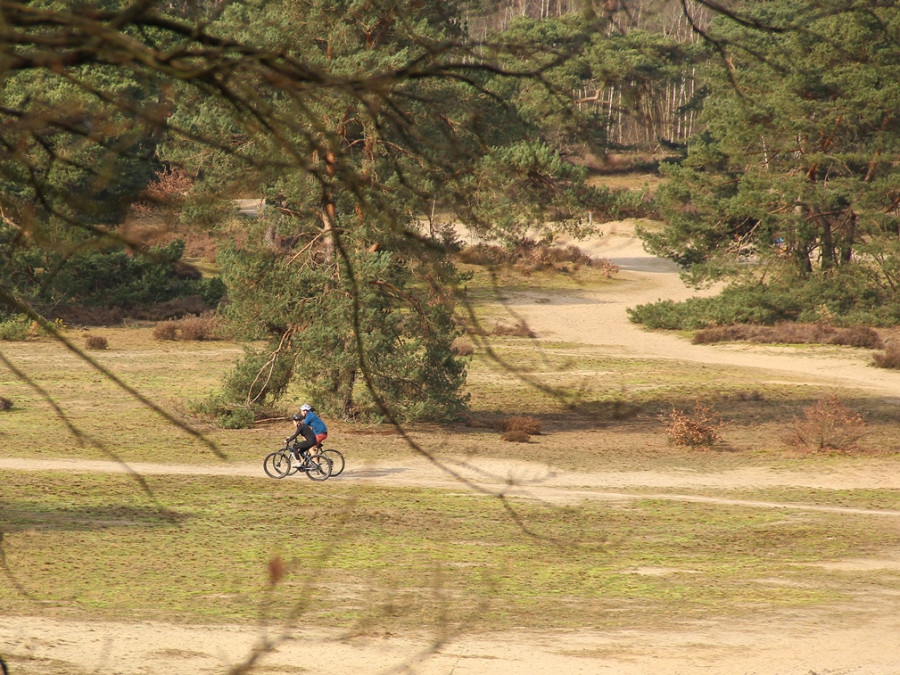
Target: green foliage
x=792, y=170
x=80, y=157
x=107, y=276
x=510, y=189
x=259, y=378
x=357, y=334
x=15, y=327
x=256, y=382
x=844, y=297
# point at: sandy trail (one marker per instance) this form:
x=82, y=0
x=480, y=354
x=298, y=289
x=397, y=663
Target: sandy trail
x=599, y=318
x=860, y=640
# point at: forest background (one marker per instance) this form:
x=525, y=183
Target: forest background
x=375, y=132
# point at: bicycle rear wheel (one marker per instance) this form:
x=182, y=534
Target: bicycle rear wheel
x=277, y=464
x=318, y=467
x=337, y=461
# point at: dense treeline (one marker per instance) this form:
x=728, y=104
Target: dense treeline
x=792, y=190
x=357, y=121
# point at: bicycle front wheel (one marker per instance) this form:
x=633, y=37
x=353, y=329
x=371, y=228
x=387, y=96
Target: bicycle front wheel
x=337, y=461
x=277, y=464
x=318, y=467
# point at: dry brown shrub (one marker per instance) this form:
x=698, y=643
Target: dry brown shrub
x=165, y=330
x=530, y=425
x=827, y=425
x=698, y=428
x=462, y=347
x=516, y=436
x=197, y=327
x=166, y=193
x=521, y=329
x=732, y=333
x=859, y=336
x=96, y=342
x=889, y=358
x=5, y=403
x=530, y=256
x=484, y=254
x=608, y=267
x=203, y=327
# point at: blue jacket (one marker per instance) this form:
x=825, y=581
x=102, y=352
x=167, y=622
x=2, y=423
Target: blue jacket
x=315, y=422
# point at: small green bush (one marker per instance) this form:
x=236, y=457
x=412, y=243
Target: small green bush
x=238, y=418
x=845, y=299
x=249, y=390
x=15, y=328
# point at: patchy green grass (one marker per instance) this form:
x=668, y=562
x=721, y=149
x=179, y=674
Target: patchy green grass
x=198, y=549
x=598, y=411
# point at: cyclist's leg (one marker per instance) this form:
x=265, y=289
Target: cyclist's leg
x=302, y=448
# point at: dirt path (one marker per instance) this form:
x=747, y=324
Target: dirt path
x=527, y=480
x=862, y=640
x=598, y=318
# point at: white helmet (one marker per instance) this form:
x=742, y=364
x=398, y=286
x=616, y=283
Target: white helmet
x=306, y=407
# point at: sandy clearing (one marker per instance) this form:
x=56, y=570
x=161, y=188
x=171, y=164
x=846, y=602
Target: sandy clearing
x=768, y=644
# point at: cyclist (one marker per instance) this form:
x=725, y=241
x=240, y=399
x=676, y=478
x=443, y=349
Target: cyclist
x=311, y=418
x=309, y=437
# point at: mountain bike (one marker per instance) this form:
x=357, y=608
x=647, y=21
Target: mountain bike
x=337, y=460
x=336, y=457
x=282, y=463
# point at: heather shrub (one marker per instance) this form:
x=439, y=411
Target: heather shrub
x=791, y=333
x=165, y=330
x=889, y=358
x=530, y=256
x=95, y=342
x=530, y=425
x=462, y=347
x=197, y=327
x=82, y=315
x=202, y=327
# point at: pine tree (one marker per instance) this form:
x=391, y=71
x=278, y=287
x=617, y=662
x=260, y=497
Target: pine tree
x=795, y=172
